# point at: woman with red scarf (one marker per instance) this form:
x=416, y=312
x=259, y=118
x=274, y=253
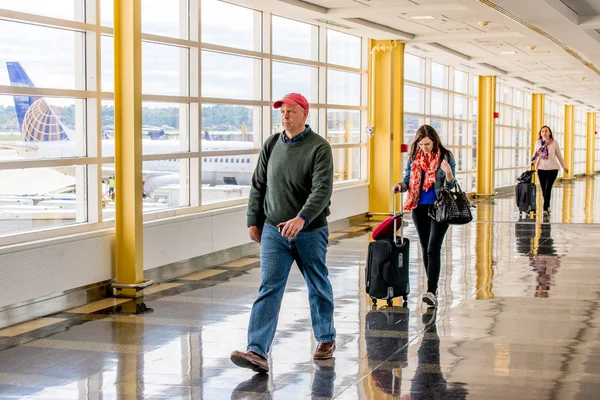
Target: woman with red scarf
x=429, y=169
x=549, y=158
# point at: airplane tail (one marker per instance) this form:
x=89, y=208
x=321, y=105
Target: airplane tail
x=207, y=135
x=37, y=121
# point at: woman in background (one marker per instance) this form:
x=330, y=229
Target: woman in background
x=548, y=157
x=429, y=169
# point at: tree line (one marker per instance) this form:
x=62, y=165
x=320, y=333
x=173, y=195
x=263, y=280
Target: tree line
x=214, y=118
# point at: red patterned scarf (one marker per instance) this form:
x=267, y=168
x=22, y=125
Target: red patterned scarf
x=423, y=162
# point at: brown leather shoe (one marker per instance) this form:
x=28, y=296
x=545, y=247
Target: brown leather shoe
x=250, y=360
x=324, y=351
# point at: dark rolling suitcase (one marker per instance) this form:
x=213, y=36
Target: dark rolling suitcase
x=525, y=193
x=386, y=274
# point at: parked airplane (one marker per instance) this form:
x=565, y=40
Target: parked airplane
x=45, y=136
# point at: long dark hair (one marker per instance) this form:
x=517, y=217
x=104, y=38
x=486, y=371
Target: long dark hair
x=540, y=134
x=427, y=131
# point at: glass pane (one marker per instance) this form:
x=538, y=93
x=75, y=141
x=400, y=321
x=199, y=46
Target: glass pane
x=460, y=107
x=40, y=198
x=42, y=127
x=166, y=18
x=231, y=77
x=226, y=178
x=439, y=103
x=164, y=70
x=40, y=57
x=518, y=100
x=288, y=78
x=346, y=164
x=343, y=49
x=165, y=128
x=295, y=39
x=414, y=99
x=64, y=9
x=343, y=126
x=230, y=127
x=343, y=88
x=411, y=124
x=441, y=128
x=439, y=75
x=230, y=25
x=108, y=63
x=461, y=81
x=414, y=68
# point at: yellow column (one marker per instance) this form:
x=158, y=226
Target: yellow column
x=569, y=150
x=591, y=145
x=386, y=117
x=485, y=136
x=128, y=144
x=537, y=118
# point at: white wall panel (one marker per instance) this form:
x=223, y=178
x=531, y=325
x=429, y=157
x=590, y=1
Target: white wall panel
x=37, y=270
x=350, y=201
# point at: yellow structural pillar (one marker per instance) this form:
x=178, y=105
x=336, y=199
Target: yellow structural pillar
x=485, y=136
x=386, y=119
x=588, y=207
x=537, y=118
x=569, y=150
x=128, y=145
x=590, y=162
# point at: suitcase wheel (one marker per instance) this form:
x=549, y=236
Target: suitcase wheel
x=374, y=300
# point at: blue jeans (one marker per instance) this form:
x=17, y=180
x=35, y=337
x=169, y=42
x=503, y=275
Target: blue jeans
x=277, y=253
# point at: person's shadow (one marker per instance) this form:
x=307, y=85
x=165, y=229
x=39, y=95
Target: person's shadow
x=428, y=382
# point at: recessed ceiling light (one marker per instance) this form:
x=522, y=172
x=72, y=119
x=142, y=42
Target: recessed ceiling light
x=508, y=52
x=423, y=17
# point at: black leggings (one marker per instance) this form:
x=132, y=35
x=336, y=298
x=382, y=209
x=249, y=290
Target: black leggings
x=431, y=236
x=547, y=178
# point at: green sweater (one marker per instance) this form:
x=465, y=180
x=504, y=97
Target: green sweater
x=297, y=179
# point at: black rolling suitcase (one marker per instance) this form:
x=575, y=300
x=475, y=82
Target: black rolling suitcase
x=386, y=336
x=525, y=193
x=387, y=266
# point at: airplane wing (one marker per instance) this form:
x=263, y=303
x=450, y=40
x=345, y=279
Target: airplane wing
x=22, y=147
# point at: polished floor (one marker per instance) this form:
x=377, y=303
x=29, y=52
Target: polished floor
x=519, y=318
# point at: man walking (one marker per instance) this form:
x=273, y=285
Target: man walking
x=288, y=217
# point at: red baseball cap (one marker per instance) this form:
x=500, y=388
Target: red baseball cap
x=291, y=99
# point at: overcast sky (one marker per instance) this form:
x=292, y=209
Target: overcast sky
x=47, y=54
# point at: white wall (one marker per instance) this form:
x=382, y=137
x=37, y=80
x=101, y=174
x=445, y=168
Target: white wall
x=34, y=270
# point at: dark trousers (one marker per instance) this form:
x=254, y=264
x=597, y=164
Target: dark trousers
x=547, y=178
x=431, y=236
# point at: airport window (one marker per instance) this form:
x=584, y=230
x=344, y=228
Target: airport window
x=452, y=113
x=343, y=88
x=218, y=19
x=230, y=76
x=439, y=75
x=414, y=68
x=233, y=105
x=579, y=157
x=512, y=135
x=343, y=49
x=554, y=117
x=295, y=39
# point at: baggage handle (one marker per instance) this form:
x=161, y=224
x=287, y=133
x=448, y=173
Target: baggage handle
x=396, y=213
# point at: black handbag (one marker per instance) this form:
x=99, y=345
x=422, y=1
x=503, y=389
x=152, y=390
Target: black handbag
x=452, y=207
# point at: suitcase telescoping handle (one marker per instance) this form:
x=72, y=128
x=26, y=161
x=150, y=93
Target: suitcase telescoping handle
x=396, y=213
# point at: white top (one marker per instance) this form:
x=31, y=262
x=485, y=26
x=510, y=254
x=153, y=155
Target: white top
x=555, y=158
